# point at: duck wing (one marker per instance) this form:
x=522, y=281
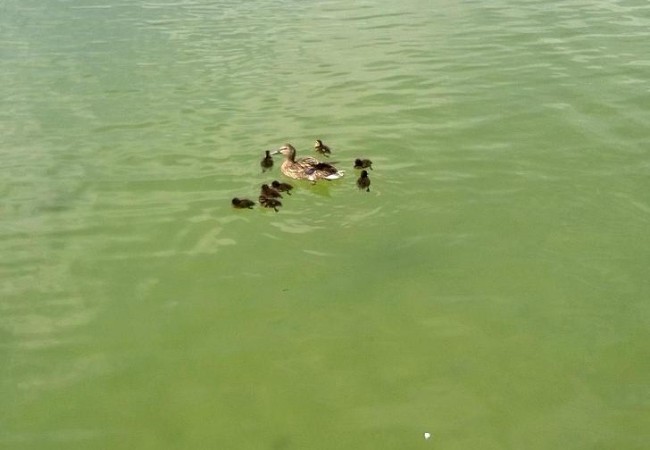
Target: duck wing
x=323, y=170
x=312, y=165
x=314, y=169
x=307, y=161
x=325, y=167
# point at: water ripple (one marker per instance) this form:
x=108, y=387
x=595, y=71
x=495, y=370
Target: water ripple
x=510, y=150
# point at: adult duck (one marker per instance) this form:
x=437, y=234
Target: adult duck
x=307, y=168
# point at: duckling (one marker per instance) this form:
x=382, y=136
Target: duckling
x=268, y=192
x=322, y=148
x=242, y=203
x=282, y=187
x=362, y=164
x=270, y=203
x=364, y=182
x=267, y=161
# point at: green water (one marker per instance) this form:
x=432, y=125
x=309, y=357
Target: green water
x=492, y=288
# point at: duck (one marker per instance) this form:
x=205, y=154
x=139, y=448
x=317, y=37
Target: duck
x=362, y=164
x=364, y=182
x=322, y=148
x=307, y=168
x=242, y=203
x=281, y=187
x=270, y=202
x=269, y=192
x=267, y=161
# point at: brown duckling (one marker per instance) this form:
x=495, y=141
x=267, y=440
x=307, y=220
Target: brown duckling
x=322, y=148
x=281, y=187
x=270, y=202
x=267, y=161
x=362, y=164
x=364, y=182
x=242, y=203
x=269, y=192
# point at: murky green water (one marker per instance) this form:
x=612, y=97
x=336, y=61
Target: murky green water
x=492, y=288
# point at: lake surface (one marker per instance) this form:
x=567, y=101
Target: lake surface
x=491, y=289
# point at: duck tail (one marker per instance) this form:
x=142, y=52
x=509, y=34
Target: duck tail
x=336, y=175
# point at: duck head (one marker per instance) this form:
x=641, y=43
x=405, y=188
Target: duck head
x=287, y=150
